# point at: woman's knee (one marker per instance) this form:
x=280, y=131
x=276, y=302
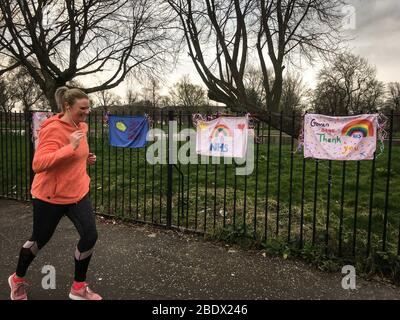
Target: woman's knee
x=90, y=239
x=31, y=246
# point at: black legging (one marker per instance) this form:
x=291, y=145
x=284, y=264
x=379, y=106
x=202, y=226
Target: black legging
x=46, y=217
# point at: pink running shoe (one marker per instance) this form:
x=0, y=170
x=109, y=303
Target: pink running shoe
x=18, y=291
x=85, y=293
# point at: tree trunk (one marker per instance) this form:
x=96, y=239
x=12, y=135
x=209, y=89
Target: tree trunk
x=269, y=116
x=49, y=91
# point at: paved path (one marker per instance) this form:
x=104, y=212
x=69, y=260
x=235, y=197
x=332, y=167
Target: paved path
x=141, y=262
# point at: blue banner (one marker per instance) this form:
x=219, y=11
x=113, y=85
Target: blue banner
x=128, y=131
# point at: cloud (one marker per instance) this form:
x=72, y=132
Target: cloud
x=377, y=35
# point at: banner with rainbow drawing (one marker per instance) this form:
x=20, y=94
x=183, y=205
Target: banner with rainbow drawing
x=340, y=138
x=223, y=137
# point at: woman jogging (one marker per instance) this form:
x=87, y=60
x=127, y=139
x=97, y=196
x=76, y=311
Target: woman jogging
x=60, y=187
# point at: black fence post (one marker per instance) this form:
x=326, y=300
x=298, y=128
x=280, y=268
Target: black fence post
x=31, y=147
x=389, y=163
x=170, y=168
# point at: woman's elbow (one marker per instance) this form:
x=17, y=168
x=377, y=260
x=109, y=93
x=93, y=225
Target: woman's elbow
x=37, y=167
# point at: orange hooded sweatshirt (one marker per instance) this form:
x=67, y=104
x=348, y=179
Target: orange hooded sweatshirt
x=61, y=176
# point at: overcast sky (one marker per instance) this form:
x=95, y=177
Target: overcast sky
x=375, y=36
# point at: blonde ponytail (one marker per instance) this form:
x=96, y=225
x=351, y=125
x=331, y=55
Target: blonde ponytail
x=65, y=95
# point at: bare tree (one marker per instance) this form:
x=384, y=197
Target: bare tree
x=254, y=84
x=165, y=101
x=150, y=92
x=26, y=92
x=393, y=103
x=106, y=98
x=393, y=99
x=294, y=93
x=131, y=96
x=185, y=93
x=263, y=31
x=7, y=97
x=348, y=86
x=6, y=64
x=57, y=41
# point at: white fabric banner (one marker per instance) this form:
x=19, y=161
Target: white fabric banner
x=223, y=137
x=340, y=138
x=37, y=119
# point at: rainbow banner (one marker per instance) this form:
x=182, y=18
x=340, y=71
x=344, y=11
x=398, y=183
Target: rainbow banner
x=223, y=137
x=340, y=138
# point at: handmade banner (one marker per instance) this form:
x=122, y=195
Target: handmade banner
x=128, y=131
x=38, y=117
x=223, y=137
x=340, y=138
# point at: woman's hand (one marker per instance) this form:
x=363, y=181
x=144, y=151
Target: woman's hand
x=91, y=159
x=75, y=138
